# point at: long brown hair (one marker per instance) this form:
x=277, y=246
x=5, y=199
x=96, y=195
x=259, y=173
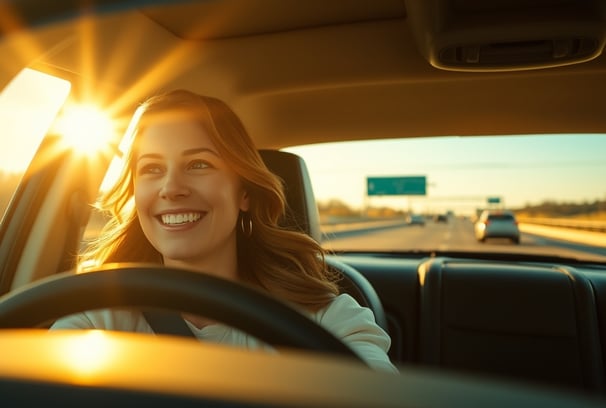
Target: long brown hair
x=285, y=263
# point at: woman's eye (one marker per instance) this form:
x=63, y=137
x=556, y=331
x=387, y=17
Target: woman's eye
x=199, y=165
x=150, y=169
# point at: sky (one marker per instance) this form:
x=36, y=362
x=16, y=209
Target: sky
x=461, y=172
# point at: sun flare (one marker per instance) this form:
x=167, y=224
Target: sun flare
x=86, y=129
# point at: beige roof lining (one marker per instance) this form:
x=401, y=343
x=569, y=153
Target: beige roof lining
x=352, y=80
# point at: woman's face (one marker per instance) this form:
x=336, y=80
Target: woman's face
x=187, y=198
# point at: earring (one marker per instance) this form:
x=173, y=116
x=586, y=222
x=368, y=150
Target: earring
x=246, y=226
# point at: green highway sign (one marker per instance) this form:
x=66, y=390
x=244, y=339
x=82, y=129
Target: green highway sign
x=493, y=200
x=414, y=185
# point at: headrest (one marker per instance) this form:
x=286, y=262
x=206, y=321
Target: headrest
x=302, y=215
x=301, y=212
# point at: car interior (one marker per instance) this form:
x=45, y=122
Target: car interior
x=481, y=316
x=467, y=328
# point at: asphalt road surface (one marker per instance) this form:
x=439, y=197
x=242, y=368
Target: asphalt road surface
x=455, y=235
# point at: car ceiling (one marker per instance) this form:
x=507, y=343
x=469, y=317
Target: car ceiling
x=304, y=72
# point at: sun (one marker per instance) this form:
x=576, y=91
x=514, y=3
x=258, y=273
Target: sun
x=86, y=129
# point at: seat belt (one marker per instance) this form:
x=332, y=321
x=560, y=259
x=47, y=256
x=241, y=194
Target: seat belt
x=167, y=322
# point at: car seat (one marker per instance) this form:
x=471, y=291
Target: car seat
x=302, y=215
x=525, y=322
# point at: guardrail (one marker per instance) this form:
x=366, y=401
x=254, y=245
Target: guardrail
x=360, y=224
x=587, y=225
x=338, y=230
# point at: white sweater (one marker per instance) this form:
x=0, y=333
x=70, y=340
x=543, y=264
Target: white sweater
x=343, y=317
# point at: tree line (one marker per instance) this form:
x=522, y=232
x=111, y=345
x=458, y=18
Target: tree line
x=566, y=209
x=548, y=208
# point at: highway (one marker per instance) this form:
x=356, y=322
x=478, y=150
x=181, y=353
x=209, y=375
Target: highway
x=457, y=235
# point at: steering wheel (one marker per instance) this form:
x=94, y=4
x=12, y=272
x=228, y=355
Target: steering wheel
x=153, y=286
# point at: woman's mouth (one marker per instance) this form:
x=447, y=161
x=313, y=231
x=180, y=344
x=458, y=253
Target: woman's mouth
x=180, y=219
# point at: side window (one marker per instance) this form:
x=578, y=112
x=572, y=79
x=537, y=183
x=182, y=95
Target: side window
x=28, y=107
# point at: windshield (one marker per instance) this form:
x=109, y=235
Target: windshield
x=368, y=191
x=408, y=195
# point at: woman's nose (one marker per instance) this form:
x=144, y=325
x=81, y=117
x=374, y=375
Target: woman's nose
x=174, y=186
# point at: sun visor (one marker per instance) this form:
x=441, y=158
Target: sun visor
x=505, y=35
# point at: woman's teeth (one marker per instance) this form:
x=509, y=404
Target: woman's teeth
x=175, y=219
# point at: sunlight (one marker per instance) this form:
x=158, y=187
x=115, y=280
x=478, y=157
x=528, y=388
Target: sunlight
x=28, y=106
x=88, y=353
x=86, y=129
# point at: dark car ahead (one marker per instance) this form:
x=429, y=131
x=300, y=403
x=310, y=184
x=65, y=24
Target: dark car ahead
x=440, y=218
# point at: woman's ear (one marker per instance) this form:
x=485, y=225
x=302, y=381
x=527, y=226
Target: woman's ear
x=244, y=201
